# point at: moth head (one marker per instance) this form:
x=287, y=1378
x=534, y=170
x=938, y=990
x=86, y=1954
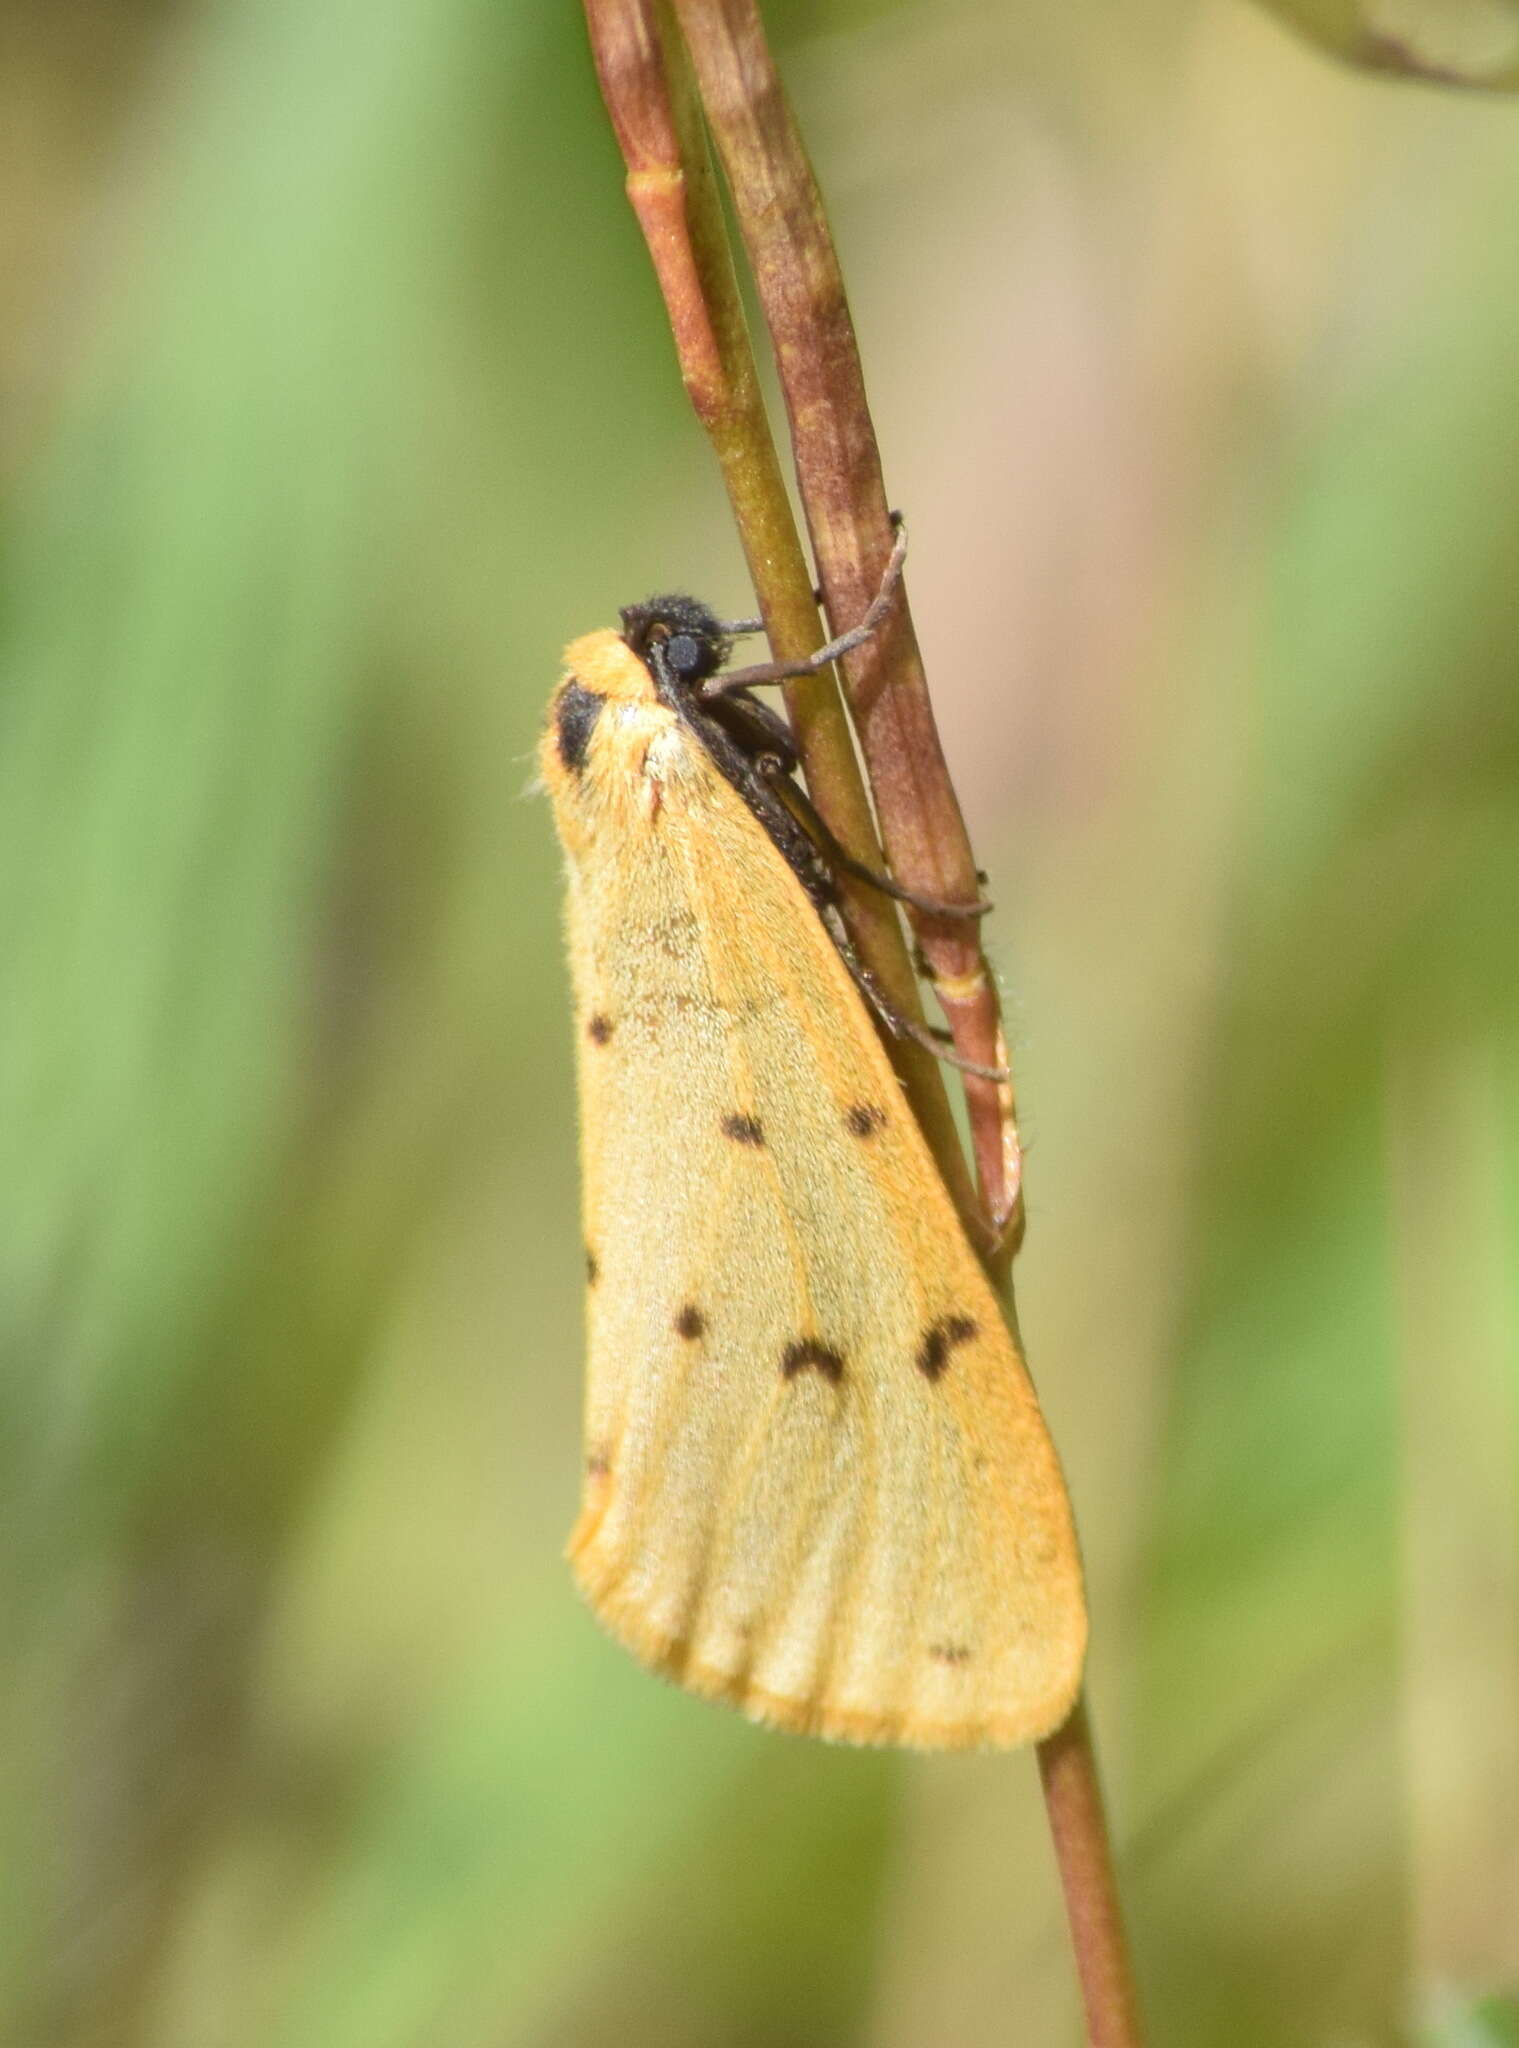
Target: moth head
x=679, y=638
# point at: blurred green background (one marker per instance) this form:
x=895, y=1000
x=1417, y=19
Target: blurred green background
x=336, y=397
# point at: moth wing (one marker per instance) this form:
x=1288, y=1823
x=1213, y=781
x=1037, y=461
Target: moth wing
x=818, y=1484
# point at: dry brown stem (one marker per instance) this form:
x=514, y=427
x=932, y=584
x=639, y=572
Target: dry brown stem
x=838, y=466
x=1079, y=1832
x=646, y=80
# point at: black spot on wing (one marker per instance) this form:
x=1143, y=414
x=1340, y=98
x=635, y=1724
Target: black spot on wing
x=592, y=1268
x=691, y=1323
x=863, y=1120
x=599, y=1029
x=949, y=1653
x=939, y=1339
x=743, y=1130
x=575, y=721
x=806, y=1351
x=597, y=1464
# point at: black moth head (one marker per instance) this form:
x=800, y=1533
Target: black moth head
x=678, y=637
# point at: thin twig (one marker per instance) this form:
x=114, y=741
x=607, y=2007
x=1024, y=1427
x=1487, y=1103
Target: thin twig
x=838, y=465
x=646, y=81
x=647, y=85
x=1079, y=1831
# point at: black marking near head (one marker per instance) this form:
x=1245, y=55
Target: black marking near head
x=806, y=1351
x=691, y=1323
x=744, y=1130
x=575, y=721
x=599, y=1029
x=939, y=1339
x=592, y=1268
x=679, y=639
x=863, y=1120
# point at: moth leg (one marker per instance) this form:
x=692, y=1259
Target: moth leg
x=809, y=664
x=764, y=738
x=761, y=791
x=738, y=733
x=760, y=733
x=812, y=821
x=936, y=1042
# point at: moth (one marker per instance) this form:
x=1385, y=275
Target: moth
x=817, y=1484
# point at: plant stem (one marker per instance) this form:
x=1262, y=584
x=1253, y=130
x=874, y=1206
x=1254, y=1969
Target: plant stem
x=838, y=465
x=647, y=84
x=646, y=79
x=1079, y=1831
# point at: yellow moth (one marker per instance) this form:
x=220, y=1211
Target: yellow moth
x=817, y=1482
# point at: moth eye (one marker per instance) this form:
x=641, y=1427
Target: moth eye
x=683, y=651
